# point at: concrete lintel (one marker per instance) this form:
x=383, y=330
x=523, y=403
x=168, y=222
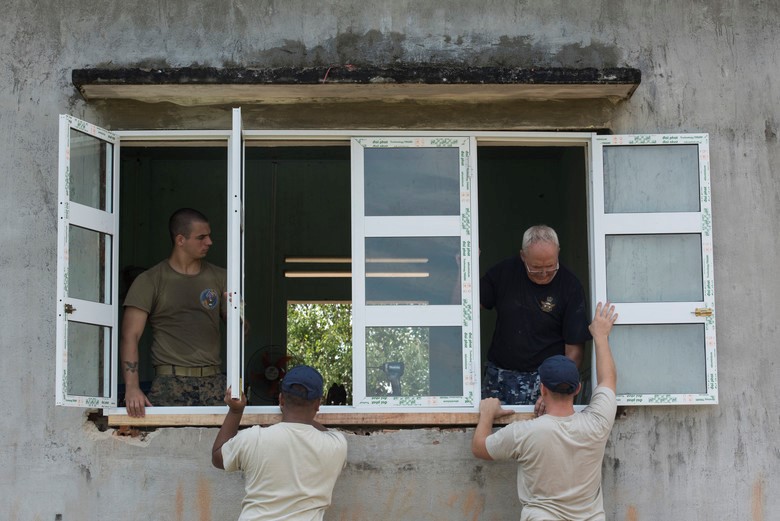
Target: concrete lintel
x=214, y=86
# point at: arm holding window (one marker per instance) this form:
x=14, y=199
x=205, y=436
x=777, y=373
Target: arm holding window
x=133, y=324
x=229, y=427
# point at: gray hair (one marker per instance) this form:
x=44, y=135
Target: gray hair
x=539, y=233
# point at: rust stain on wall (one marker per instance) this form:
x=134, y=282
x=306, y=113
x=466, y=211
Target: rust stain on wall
x=179, y=503
x=757, y=500
x=473, y=505
x=631, y=515
x=204, y=500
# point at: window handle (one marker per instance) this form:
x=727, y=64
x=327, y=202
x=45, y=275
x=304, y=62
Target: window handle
x=69, y=308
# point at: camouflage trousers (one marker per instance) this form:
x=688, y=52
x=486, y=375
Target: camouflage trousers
x=511, y=387
x=170, y=390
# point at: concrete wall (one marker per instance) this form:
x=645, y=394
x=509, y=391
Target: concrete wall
x=707, y=66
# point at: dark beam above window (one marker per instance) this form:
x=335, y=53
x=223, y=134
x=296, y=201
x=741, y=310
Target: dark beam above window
x=347, y=83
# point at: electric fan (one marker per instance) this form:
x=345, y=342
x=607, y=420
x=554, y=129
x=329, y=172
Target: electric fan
x=265, y=370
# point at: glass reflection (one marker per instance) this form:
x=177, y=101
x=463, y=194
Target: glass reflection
x=654, y=268
x=411, y=181
x=659, y=358
x=88, y=265
x=651, y=178
x=412, y=270
x=90, y=164
x=414, y=361
x=86, y=348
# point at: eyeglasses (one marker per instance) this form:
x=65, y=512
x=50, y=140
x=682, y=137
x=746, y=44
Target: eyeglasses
x=544, y=272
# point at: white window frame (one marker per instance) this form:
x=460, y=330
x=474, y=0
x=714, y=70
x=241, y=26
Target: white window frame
x=700, y=222
x=464, y=226
x=237, y=139
x=78, y=310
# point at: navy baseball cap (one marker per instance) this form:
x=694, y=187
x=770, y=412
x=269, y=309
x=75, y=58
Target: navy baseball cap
x=305, y=376
x=559, y=374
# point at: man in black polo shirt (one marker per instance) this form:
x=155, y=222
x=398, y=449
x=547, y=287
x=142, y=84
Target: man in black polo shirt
x=541, y=312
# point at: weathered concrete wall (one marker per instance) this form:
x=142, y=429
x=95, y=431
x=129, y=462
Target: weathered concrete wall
x=708, y=66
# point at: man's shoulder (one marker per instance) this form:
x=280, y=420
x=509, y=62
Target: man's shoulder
x=505, y=266
x=149, y=278
x=207, y=267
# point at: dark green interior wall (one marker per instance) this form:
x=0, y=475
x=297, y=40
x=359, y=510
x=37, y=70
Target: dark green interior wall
x=297, y=203
x=523, y=186
x=155, y=182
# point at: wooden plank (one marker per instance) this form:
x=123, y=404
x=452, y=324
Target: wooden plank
x=399, y=419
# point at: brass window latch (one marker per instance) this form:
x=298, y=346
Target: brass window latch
x=703, y=312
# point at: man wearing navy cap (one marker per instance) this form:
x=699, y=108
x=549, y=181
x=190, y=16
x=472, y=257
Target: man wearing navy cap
x=289, y=468
x=559, y=453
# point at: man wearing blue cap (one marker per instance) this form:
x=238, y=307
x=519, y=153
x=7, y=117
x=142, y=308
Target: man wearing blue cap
x=559, y=453
x=289, y=468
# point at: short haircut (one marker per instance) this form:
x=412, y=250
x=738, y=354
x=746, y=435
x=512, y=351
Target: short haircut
x=298, y=401
x=181, y=222
x=539, y=233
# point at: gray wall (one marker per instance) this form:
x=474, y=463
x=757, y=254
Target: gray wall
x=707, y=66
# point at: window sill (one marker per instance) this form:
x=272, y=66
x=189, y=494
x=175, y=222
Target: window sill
x=399, y=419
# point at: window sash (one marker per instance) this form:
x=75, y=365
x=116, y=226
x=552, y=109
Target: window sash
x=658, y=224
x=463, y=226
x=102, y=315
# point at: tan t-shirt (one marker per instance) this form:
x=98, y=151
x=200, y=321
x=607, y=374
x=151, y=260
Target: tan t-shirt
x=290, y=470
x=559, y=476
x=184, y=313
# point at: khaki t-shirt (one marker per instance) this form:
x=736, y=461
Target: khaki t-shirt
x=290, y=470
x=184, y=313
x=559, y=476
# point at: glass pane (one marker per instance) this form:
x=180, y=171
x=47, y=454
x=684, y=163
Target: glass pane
x=87, y=345
x=659, y=358
x=651, y=178
x=88, y=265
x=414, y=361
x=412, y=270
x=654, y=268
x=412, y=181
x=90, y=164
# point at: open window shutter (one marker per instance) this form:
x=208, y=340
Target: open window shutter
x=652, y=225
x=235, y=268
x=87, y=265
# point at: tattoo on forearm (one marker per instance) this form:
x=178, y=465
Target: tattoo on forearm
x=131, y=367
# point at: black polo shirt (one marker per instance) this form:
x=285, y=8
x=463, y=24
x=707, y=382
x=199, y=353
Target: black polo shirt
x=534, y=321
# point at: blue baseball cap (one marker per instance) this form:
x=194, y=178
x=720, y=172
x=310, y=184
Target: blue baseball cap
x=305, y=376
x=559, y=374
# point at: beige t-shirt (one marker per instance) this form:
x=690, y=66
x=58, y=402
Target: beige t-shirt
x=559, y=476
x=184, y=313
x=290, y=470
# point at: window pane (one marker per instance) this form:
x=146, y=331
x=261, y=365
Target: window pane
x=88, y=265
x=90, y=163
x=654, y=268
x=87, y=345
x=651, y=178
x=659, y=358
x=412, y=181
x=412, y=270
x=414, y=361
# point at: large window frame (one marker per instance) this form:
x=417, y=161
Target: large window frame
x=463, y=412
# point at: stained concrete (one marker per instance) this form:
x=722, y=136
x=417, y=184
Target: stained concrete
x=707, y=66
